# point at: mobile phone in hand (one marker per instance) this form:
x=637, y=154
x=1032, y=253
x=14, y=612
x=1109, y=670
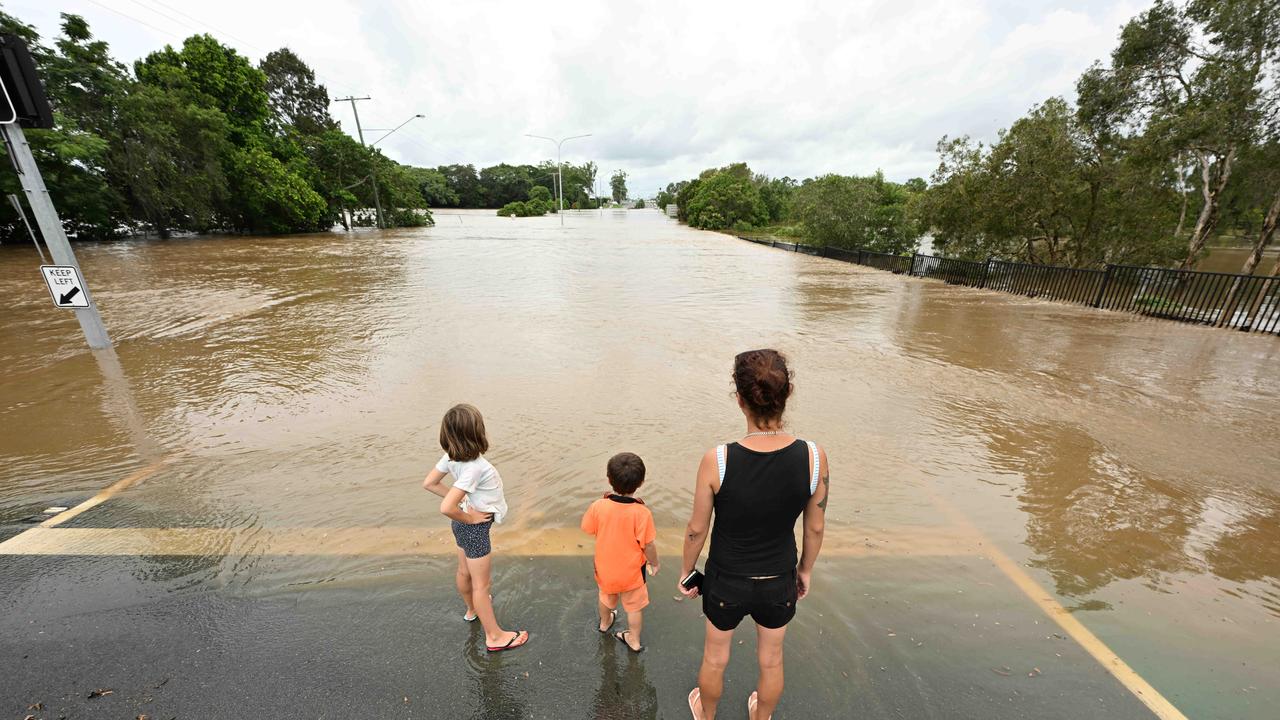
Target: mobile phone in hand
x=692, y=581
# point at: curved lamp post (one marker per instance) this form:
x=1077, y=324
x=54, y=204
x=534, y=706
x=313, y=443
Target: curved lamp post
x=559, y=165
x=377, y=202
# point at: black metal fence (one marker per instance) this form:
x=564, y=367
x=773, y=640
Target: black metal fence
x=1242, y=302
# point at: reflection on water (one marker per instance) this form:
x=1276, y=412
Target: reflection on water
x=624, y=693
x=301, y=379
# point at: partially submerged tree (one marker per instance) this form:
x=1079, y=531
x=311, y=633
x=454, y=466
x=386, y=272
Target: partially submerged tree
x=1197, y=77
x=618, y=184
x=856, y=212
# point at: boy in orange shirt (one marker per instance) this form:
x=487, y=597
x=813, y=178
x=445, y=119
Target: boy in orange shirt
x=624, y=532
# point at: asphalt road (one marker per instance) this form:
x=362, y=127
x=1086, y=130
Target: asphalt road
x=171, y=640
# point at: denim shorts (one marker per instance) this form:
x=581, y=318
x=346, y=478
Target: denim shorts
x=727, y=599
x=473, y=539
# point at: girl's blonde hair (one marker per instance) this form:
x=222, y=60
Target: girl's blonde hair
x=462, y=433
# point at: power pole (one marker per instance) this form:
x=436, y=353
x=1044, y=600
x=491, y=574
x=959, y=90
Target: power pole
x=377, y=203
x=51, y=228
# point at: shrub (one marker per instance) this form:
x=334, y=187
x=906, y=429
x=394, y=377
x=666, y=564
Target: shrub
x=726, y=199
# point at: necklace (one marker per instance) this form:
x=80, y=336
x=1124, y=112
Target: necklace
x=761, y=432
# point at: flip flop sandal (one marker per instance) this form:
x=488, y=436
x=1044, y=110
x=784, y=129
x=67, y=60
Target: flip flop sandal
x=613, y=618
x=695, y=702
x=473, y=618
x=755, y=695
x=512, y=645
x=622, y=638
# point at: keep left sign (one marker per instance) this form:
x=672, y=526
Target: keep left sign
x=65, y=285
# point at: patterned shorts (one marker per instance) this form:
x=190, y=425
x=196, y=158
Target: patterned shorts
x=473, y=539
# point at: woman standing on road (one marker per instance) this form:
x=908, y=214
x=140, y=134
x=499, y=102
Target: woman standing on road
x=757, y=488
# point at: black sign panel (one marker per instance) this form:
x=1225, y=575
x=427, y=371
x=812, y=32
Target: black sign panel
x=22, y=97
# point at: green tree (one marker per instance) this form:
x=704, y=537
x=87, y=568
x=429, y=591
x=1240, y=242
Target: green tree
x=726, y=199
x=618, y=184
x=1053, y=189
x=465, y=183
x=505, y=183
x=296, y=100
x=1197, y=75
x=338, y=169
x=434, y=187
x=216, y=76
x=684, y=195
x=401, y=194
x=776, y=194
x=540, y=194
x=272, y=199
x=855, y=212
x=264, y=193
x=171, y=151
x=84, y=86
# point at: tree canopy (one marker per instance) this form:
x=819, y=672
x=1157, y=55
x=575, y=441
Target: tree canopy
x=1164, y=150
x=197, y=139
x=618, y=184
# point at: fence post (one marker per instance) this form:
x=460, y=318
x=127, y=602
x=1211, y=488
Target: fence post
x=915, y=257
x=1102, y=288
x=824, y=251
x=860, y=257
x=986, y=269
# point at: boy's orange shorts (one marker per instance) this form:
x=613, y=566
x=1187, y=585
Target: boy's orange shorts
x=632, y=600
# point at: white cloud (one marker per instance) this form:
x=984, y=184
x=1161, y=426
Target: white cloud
x=667, y=89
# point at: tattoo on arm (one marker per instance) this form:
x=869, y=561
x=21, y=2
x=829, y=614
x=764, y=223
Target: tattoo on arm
x=826, y=493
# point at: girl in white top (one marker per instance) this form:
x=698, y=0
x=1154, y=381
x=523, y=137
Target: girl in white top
x=473, y=503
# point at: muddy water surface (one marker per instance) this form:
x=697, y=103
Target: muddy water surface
x=1129, y=464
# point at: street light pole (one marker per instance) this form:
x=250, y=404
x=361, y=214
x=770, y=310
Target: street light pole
x=377, y=202
x=392, y=130
x=559, y=165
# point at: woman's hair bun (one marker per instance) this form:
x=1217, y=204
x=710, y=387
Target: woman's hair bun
x=763, y=382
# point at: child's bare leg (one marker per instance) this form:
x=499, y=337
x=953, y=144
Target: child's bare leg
x=494, y=635
x=463, y=580
x=606, y=614
x=635, y=623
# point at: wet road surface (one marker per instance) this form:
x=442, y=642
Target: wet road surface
x=276, y=404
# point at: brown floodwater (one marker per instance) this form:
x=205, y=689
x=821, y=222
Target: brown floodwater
x=1231, y=260
x=1130, y=465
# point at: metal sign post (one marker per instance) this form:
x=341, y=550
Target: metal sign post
x=23, y=104
x=54, y=236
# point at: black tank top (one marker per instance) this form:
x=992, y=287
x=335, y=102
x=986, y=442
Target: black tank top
x=756, y=509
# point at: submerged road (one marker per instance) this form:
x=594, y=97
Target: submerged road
x=1038, y=510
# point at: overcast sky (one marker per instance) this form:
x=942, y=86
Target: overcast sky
x=666, y=89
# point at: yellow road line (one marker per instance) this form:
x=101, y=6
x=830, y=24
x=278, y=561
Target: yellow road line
x=103, y=495
x=1119, y=669
x=108, y=492
x=894, y=542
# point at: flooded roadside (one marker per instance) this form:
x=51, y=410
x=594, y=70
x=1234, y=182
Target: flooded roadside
x=1127, y=463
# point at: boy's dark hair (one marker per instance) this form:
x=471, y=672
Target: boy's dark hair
x=626, y=473
x=462, y=433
